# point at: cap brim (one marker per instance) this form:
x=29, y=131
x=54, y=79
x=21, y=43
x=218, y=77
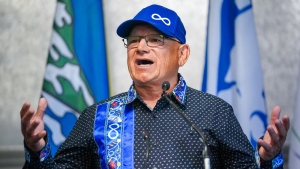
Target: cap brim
x=125, y=28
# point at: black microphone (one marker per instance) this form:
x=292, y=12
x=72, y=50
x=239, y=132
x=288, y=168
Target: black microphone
x=146, y=135
x=165, y=87
x=205, y=152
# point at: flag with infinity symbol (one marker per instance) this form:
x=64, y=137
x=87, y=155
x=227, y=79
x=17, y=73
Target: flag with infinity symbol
x=232, y=64
x=76, y=72
x=294, y=153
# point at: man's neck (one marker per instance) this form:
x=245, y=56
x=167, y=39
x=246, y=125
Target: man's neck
x=151, y=94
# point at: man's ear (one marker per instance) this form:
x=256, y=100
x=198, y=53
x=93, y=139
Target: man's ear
x=183, y=54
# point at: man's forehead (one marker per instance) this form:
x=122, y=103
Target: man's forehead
x=143, y=28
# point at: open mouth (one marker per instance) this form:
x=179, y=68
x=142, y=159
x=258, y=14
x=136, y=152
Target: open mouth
x=144, y=62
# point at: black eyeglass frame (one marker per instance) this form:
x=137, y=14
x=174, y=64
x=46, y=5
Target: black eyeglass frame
x=144, y=37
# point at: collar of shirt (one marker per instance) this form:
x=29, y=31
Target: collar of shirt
x=178, y=92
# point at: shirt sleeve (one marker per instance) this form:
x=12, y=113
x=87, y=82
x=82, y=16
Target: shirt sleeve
x=237, y=152
x=35, y=159
x=78, y=151
x=276, y=163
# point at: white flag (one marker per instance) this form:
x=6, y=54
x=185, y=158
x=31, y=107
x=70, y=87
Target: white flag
x=232, y=66
x=294, y=153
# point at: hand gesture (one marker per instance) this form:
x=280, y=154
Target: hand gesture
x=275, y=136
x=32, y=125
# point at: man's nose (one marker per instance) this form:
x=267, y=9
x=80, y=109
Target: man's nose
x=143, y=42
x=143, y=39
x=142, y=46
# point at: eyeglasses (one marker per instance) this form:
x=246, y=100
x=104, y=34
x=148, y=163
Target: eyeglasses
x=152, y=40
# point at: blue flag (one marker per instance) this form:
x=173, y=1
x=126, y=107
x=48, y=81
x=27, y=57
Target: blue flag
x=76, y=72
x=232, y=64
x=294, y=152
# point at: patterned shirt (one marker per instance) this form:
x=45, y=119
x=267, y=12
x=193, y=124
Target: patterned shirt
x=172, y=142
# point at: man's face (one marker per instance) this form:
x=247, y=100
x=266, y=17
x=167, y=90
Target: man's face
x=152, y=65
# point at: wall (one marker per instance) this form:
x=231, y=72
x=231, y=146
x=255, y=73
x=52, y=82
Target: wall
x=25, y=35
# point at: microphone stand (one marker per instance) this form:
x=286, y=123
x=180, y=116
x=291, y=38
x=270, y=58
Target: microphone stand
x=205, y=151
x=146, y=135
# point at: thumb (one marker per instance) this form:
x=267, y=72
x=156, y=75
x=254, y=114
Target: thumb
x=41, y=108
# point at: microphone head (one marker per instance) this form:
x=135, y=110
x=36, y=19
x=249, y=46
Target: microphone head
x=165, y=85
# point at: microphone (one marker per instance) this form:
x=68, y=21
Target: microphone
x=165, y=87
x=205, y=151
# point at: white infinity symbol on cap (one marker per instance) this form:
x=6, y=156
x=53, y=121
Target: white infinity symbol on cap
x=158, y=17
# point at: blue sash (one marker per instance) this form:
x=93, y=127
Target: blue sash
x=114, y=134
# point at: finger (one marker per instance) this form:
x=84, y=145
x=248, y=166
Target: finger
x=33, y=140
x=266, y=151
x=33, y=125
x=275, y=141
x=41, y=108
x=273, y=135
x=286, y=122
x=281, y=130
x=24, y=109
x=275, y=114
x=27, y=117
x=37, y=137
x=264, y=145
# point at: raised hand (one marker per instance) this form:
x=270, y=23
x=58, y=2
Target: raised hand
x=32, y=125
x=275, y=136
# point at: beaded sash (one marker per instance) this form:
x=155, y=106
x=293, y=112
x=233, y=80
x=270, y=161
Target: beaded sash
x=114, y=134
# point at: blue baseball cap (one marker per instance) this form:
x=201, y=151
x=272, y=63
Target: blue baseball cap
x=163, y=19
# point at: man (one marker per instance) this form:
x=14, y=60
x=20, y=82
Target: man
x=111, y=133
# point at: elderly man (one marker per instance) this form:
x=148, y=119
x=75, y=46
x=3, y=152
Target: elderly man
x=140, y=128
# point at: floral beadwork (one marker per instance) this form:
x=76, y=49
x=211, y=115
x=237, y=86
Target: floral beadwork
x=278, y=161
x=45, y=152
x=179, y=90
x=27, y=155
x=114, y=129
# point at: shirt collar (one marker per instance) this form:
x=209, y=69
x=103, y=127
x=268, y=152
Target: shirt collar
x=178, y=91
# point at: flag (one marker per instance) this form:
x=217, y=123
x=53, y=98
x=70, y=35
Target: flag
x=76, y=73
x=232, y=68
x=294, y=153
